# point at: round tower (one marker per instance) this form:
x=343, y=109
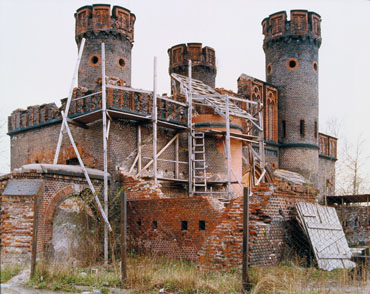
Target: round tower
x=203, y=62
x=291, y=48
x=98, y=24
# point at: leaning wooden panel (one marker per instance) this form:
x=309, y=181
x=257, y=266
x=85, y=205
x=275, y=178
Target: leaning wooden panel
x=322, y=226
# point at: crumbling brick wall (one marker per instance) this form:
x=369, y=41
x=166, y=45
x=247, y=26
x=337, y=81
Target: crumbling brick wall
x=220, y=244
x=271, y=206
x=16, y=227
x=356, y=224
x=17, y=212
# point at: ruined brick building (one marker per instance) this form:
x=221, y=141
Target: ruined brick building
x=193, y=213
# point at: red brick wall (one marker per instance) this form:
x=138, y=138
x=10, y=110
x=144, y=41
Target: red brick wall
x=223, y=249
x=168, y=238
x=16, y=227
x=356, y=224
x=17, y=212
x=219, y=246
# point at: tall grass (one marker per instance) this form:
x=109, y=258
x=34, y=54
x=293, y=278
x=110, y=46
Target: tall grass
x=8, y=271
x=151, y=274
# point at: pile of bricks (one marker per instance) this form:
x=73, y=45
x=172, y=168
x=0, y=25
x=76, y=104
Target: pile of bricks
x=139, y=189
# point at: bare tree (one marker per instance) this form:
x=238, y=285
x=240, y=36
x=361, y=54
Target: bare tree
x=351, y=173
x=351, y=176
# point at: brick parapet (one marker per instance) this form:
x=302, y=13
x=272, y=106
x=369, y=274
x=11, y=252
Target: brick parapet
x=328, y=146
x=303, y=25
x=98, y=18
x=118, y=100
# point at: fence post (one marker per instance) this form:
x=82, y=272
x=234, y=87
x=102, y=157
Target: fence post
x=123, y=238
x=245, y=276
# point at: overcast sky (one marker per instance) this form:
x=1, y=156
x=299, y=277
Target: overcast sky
x=38, y=50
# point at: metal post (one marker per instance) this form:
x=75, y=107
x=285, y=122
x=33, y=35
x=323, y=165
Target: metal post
x=59, y=144
x=36, y=205
x=228, y=147
x=155, y=119
x=139, y=148
x=104, y=113
x=123, y=238
x=177, y=158
x=190, y=130
x=245, y=276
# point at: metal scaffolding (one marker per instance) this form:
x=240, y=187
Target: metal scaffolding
x=195, y=93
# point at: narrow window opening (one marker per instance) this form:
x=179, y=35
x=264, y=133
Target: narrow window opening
x=283, y=124
x=138, y=225
x=154, y=225
x=184, y=225
x=301, y=128
x=202, y=225
x=315, y=129
x=72, y=161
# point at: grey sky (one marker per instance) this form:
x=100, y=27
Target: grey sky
x=38, y=51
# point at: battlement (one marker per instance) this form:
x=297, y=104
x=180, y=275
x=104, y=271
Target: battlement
x=302, y=24
x=98, y=17
x=181, y=53
x=122, y=101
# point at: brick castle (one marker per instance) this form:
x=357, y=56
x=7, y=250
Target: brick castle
x=163, y=215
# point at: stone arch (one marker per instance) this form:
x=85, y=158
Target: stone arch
x=46, y=222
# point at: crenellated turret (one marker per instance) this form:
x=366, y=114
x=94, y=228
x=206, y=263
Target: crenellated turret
x=203, y=62
x=97, y=24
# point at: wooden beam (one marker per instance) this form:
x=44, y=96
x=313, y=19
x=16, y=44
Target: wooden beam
x=100, y=208
x=59, y=144
x=158, y=154
x=123, y=238
x=77, y=123
x=36, y=206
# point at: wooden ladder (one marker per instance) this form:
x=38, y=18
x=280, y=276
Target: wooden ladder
x=199, y=163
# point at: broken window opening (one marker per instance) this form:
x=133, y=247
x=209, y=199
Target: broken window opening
x=184, y=225
x=202, y=225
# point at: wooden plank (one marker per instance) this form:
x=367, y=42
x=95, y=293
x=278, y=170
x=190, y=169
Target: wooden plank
x=325, y=226
x=133, y=164
x=59, y=144
x=100, y=208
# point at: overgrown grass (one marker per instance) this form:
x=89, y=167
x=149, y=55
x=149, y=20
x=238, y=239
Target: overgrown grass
x=151, y=274
x=8, y=271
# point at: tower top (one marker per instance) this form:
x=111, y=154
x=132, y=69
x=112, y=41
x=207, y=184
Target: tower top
x=98, y=17
x=303, y=25
x=181, y=53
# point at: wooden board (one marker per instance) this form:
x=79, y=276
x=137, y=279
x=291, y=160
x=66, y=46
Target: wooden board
x=322, y=227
